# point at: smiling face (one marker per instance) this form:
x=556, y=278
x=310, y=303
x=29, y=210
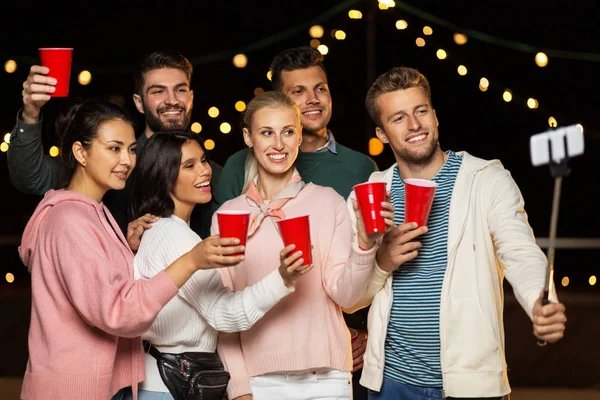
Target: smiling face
x=409, y=125
x=110, y=158
x=193, y=181
x=309, y=90
x=275, y=135
x=166, y=100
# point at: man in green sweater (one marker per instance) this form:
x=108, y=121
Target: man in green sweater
x=300, y=73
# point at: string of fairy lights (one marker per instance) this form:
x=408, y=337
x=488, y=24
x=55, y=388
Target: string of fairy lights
x=318, y=40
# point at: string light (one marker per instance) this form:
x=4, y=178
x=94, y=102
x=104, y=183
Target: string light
x=240, y=106
x=565, y=281
x=209, y=144
x=375, y=146
x=401, y=24
x=315, y=43
x=323, y=49
x=84, y=78
x=441, y=54
x=240, y=60
x=258, y=91
x=340, y=35
x=541, y=59
x=4, y=147
x=269, y=74
x=54, y=151
x=10, y=66
x=592, y=280
x=420, y=42
x=213, y=112
x=316, y=31
x=196, y=127
x=460, y=39
x=225, y=128
x=427, y=30
x=354, y=14
x=532, y=103
x=484, y=84
x=552, y=122
x=7, y=138
x=462, y=70
x=507, y=95
x=10, y=278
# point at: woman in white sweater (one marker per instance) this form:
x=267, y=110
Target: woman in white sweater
x=172, y=177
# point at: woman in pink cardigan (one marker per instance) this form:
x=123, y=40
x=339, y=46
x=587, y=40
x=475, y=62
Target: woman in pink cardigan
x=301, y=348
x=88, y=312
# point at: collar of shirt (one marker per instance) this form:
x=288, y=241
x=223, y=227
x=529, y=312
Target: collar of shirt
x=330, y=145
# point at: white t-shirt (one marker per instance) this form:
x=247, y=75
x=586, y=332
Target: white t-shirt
x=203, y=306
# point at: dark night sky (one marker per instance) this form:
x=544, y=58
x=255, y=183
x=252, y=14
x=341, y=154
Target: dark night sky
x=109, y=37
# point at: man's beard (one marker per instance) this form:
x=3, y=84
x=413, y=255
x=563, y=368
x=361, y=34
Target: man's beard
x=313, y=130
x=422, y=158
x=157, y=125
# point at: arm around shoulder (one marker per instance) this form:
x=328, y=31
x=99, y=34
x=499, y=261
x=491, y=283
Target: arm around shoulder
x=30, y=171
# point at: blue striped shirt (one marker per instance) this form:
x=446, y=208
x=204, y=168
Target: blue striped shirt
x=412, y=345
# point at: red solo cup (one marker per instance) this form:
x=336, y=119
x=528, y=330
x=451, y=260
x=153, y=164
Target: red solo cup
x=58, y=60
x=234, y=224
x=297, y=231
x=370, y=195
x=353, y=334
x=418, y=198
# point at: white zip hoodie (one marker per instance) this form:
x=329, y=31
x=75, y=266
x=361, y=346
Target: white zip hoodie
x=488, y=238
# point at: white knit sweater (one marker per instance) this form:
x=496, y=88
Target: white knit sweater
x=190, y=321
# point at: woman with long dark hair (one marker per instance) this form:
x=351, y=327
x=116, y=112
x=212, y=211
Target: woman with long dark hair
x=88, y=311
x=172, y=180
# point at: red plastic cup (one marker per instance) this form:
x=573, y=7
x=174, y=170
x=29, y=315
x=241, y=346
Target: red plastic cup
x=58, y=60
x=370, y=195
x=418, y=198
x=297, y=231
x=234, y=224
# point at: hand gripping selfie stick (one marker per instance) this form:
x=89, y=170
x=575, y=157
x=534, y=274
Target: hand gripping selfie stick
x=554, y=148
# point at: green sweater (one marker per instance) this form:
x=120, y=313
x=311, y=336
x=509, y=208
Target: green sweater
x=339, y=171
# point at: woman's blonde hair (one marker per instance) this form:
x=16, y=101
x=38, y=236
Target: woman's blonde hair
x=271, y=99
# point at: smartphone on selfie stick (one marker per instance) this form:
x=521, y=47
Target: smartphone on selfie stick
x=554, y=148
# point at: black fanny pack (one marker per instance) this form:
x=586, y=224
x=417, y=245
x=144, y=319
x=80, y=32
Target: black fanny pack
x=191, y=375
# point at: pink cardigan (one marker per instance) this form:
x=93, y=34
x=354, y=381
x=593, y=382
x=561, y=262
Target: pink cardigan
x=87, y=310
x=306, y=329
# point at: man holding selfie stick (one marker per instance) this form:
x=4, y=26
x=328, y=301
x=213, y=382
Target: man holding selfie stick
x=436, y=326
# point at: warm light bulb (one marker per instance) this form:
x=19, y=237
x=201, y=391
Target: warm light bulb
x=225, y=128
x=209, y=144
x=375, y=146
x=240, y=60
x=541, y=59
x=84, y=78
x=460, y=38
x=196, y=127
x=316, y=31
x=213, y=112
x=10, y=66
x=401, y=24
x=240, y=106
x=532, y=103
